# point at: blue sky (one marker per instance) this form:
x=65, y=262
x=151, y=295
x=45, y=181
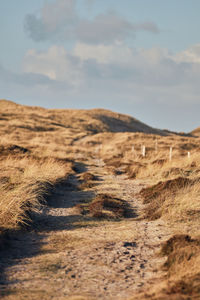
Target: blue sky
x=140, y=57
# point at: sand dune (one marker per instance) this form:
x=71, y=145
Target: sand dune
x=91, y=121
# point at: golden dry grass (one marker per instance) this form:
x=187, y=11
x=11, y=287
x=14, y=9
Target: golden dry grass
x=54, y=137
x=173, y=194
x=105, y=206
x=24, y=183
x=178, y=205
x=33, y=158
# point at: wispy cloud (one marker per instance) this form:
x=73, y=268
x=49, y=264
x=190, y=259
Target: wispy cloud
x=55, y=20
x=60, y=21
x=109, y=28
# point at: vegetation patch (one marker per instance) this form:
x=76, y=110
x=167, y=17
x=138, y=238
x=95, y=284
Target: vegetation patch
x=183, y=271
x=86, y=185
x=87, y=180
x=23, y=185
x=13, y=150
x=87, y=176
x=176, y=242
x=134, y=168
x=159, y=161
x=160, y=196
x=106, y=206
x=182, y=265
x=163, y=187
x=114, y=161
x=116, y=165
x=37, y=150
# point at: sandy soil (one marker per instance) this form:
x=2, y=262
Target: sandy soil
x=67, y=255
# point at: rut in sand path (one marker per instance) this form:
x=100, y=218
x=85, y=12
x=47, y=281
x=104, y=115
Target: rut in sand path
x=69, y=254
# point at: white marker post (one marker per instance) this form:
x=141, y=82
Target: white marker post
x=189, y=155
x=133, y=151
x=170, y=153
x=143, y=151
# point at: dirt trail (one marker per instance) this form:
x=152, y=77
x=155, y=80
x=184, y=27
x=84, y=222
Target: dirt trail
x=68, y=254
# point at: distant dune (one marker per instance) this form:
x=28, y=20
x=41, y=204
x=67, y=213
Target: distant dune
x=196, y=132
x=90, y=121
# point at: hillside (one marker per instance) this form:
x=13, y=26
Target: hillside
x=86, y=213
x=196, y=132
x=89, y=121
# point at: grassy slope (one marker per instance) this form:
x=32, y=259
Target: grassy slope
x=173, y=195
x=196, y=132
x=93, y=121
x=48, y=139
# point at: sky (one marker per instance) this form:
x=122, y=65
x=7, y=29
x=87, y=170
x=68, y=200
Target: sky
x=138, y=57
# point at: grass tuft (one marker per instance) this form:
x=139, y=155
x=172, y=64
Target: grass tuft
x=105, y=206
x=23, y=186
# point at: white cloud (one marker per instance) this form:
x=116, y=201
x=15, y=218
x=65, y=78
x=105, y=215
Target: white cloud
x=103, y=53
x=191, y=55
x=56, y=64
x=108, y=76
x=25, y=79
x=115, y=67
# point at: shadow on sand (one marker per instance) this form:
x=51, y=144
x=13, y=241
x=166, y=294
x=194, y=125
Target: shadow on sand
x=27, y=242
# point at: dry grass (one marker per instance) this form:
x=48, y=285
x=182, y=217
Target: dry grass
x=117, y=153
x=183, y=265
x=105, y=206
x=183, y=271
x=36, y=147
x=35, y=151
x=184, y=207
x=24, y=183
x=163, y=195
x=173, y=194
x=87, y=180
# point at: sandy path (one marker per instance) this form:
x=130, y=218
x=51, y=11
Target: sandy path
x=68, y=254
